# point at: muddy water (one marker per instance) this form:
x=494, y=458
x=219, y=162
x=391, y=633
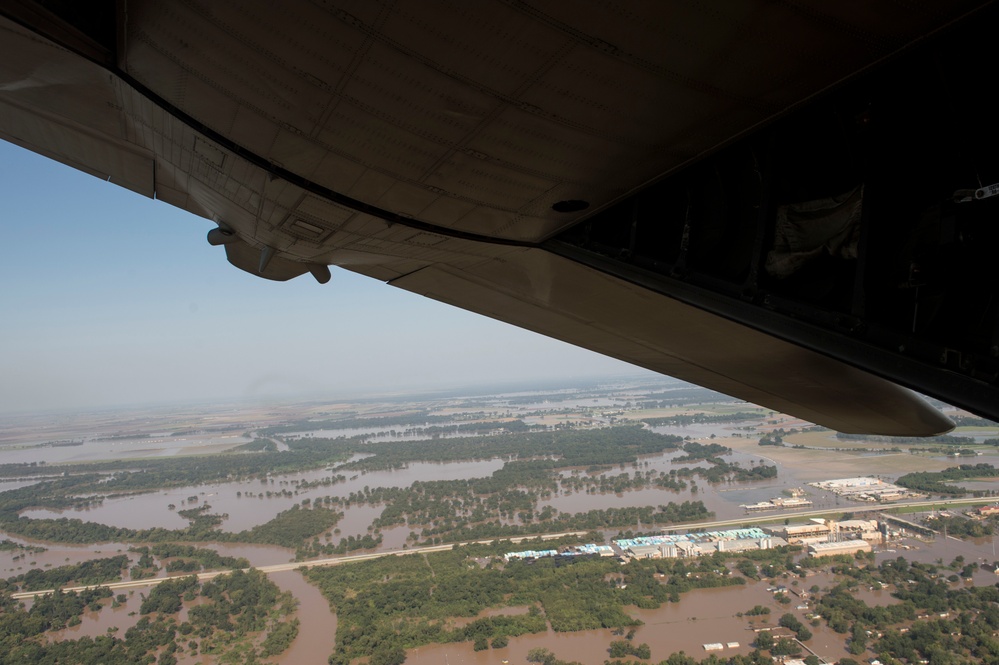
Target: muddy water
x=723, y=499
x=979, y=435
x=316, y=634
x=90, y=450
x=54, y=556
x=698, y=430
x=247, y=504
x=60, y=555
x=394, y=538
x=8, y=485
x=581, y=502
x=701, y=617
x=252, y=506
x=942, y=551
x=357, y=518
x=709, y=615
x=982, y=485
x=987, y=458
x=317, y=627
x=257, y=555
x=106, y=620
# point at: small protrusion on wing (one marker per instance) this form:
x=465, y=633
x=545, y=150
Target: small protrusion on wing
x=265, y=262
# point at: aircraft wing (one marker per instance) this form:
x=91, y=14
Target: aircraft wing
x=753, y=196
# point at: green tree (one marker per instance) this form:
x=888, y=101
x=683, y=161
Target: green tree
x=785, y=646
x=388, y=656
x=541, y=655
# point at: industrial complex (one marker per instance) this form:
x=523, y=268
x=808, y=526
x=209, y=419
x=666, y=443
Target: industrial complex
x=822, y=537
x=866, y=488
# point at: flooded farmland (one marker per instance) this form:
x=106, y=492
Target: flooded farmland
x=700, y=617
x=252, y=502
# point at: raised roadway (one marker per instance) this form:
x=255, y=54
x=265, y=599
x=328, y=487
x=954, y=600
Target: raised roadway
x=295, y=565
x=335, y=561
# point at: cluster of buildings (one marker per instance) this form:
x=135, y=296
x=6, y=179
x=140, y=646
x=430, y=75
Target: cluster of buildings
x=822, y=537
x=718, y=646
x=866, y=489
x=680, y=545
x=776, y=503
x=666, y=546
x=568, y=551
x=825, y=537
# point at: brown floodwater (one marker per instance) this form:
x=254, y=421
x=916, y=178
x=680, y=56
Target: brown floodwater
x=702, y=616
x=15, y=562
x=105, y=621
x=317, y=627
x=944, y=550
x=723, y=499
x=257, y=555
x=61, y=555
x=247, y=503
x=89, y=450
x=316, y=631
x=710, y=615
x=356, y=521
x=7, y=485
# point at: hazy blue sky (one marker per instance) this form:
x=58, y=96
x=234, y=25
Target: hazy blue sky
x=111, y=298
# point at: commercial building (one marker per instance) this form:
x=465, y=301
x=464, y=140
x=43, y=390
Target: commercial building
x=865, y=489
x=666, y=546
x=857, y=529
x=697, y=544
x=841, y=547
x=776, y=503
x=804, y=533
x=568, y=551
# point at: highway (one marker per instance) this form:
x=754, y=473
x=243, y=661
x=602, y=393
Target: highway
x=335, y=561
x=295, y=565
